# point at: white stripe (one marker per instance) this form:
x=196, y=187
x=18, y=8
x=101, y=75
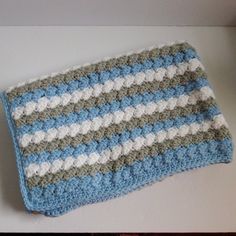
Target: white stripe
x=115, y=117
x=114, y=153
x=63, y=100
x=95, y=62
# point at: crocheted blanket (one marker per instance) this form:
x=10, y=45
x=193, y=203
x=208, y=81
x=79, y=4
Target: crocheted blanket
x=98, y=131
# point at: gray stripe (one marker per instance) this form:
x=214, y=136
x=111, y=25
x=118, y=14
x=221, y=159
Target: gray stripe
x=117, y=128
x=109, y=97
x=98, y=67
x=129, y=159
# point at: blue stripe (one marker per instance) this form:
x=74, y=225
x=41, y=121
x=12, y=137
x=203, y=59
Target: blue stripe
x=99, y=78
x=116, y=139
x=85, y=114
x=90, y=189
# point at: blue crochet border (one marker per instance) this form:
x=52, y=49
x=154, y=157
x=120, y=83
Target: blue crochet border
x=147, y=182
x=17, y=152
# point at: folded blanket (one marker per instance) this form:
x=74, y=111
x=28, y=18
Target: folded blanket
x=99, y=131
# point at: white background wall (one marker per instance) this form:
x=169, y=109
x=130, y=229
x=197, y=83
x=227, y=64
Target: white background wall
x=118, y=12
x=199, y=200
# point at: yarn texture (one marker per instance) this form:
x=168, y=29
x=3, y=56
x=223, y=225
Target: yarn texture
x=101, y=130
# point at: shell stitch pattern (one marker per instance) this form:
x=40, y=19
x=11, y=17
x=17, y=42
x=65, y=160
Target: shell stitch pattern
x=101, y=130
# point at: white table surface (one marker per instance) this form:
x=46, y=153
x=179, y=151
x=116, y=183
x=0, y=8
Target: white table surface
x=199, y=200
